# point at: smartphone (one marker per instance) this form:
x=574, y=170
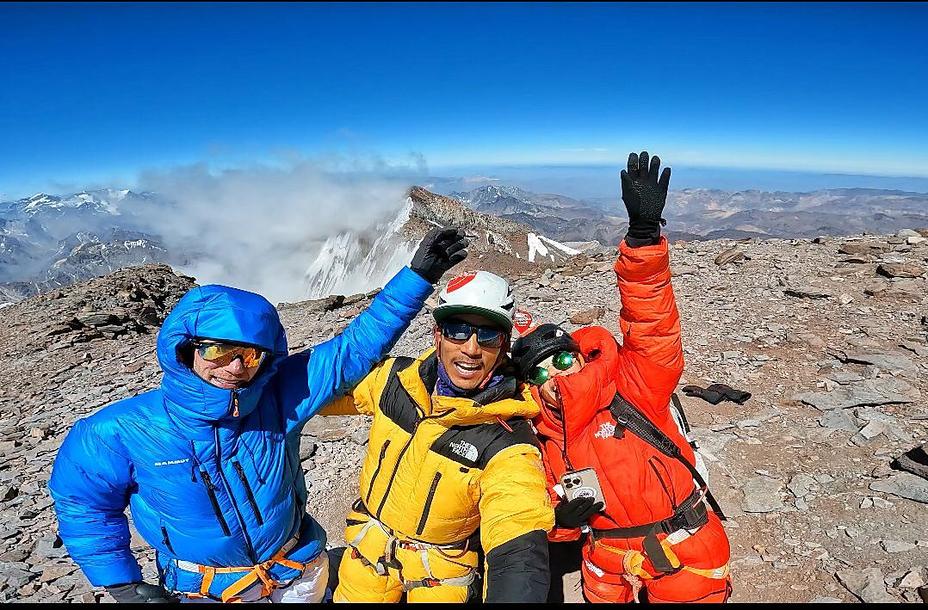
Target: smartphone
x=583, y=484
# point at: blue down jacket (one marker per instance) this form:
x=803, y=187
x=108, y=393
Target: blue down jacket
x=205, y=484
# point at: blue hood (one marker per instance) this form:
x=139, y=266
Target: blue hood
x=224, y=313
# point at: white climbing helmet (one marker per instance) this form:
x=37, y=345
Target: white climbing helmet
x=481, y=293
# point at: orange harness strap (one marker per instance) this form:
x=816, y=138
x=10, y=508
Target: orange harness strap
x=250, y=575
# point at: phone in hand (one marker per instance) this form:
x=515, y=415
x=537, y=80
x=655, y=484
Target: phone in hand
x=583, y=484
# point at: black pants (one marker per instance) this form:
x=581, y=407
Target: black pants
x=563, y=558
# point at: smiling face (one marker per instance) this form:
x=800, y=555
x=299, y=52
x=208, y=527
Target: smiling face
x=232, y=376
x=467, y=362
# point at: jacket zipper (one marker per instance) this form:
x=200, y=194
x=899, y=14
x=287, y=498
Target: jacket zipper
x=567, y=463
x=399, y=458
x=248, y=491
x=238, y=515
x=234, y=403
x=396, y=467
x=166, y=540
x=211, y=490
x=428, y=503
x=383, y=452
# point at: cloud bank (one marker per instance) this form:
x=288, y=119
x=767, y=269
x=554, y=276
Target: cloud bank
x=259, y=228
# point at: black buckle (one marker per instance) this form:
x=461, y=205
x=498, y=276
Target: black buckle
x=692, y=518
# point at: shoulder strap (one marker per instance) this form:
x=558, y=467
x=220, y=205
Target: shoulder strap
x=678, y=406
x=627, y=417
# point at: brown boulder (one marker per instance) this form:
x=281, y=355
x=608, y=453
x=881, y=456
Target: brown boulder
x=900, y=270
x=587, y=316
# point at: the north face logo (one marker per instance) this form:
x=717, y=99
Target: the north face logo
x=459, y=281
x=465, y=450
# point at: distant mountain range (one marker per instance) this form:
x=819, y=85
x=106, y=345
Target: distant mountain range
x=47, y=241
x=711, y=214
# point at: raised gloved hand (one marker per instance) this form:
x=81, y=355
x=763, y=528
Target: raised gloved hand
x=440, y=250
x=644, y=195
x=576, y=512
x=140, y=593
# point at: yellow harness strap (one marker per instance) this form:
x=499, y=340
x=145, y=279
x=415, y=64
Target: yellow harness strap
x=633, y=562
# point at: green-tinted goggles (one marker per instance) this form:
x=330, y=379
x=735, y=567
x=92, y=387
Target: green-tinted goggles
x=542, y=373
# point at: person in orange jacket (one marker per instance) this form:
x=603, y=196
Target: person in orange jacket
x=605, y=407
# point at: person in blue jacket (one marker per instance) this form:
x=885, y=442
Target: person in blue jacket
x=209, y=461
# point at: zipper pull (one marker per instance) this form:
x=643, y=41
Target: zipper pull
x=207, y=479
x=193, y=463
x=505, y=426
x=234, y=404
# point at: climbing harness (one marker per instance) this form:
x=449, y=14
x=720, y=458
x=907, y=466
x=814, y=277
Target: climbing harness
x=389, y=560
x=250, y=575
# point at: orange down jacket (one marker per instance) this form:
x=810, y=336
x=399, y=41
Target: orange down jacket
x=640, y=484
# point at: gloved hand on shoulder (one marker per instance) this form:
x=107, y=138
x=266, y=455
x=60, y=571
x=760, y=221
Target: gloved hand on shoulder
x=140, y=593
x=440, y=250
x=644, y=195
x=574, y=513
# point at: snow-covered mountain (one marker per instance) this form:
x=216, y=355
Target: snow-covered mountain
x=355, y=262
x=48, y=241
x=360, y=261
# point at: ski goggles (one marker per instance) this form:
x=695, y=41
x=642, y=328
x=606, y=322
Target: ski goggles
x=487, y=336
x=561, y=361
x=222, y=354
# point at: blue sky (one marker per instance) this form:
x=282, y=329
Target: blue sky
x=96, y=93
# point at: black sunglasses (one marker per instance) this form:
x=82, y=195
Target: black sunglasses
x=487, y=336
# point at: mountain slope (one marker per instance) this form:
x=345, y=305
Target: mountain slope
x=359, y=261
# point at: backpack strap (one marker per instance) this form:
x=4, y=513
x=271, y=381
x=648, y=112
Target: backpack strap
x=627, y=417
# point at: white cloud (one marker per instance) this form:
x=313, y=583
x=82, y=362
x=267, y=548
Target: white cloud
x=259, y=227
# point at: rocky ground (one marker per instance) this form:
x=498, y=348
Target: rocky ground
x=830, y=336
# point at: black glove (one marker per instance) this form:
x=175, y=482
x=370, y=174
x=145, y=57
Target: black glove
x=573, y=514
x=644, y=196
x=716, y=393
x=140, y=593
x=440, y=250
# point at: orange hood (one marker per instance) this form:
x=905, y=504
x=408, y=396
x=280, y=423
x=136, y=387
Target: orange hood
x=584, y=393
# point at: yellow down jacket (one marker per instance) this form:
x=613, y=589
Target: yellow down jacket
x=445, y=470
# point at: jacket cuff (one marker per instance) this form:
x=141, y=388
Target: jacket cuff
x=408, y=281
x=115, y=571
x=639, y=264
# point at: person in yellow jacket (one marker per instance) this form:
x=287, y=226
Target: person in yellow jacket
x=453, y=475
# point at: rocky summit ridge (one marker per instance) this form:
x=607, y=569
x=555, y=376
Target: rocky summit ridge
x=830, y=336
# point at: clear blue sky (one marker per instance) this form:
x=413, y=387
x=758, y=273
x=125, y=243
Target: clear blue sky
x=98, y=92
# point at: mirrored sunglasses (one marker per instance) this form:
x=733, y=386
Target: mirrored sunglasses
x=542, y=373
x=487, y=336
x=222, y=354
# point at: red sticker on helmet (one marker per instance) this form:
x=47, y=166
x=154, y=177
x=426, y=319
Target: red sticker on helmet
x=459, y=281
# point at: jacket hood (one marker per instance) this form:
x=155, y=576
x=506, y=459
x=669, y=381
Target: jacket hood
x=501, y=402
x=586, y=392
x=222, y=313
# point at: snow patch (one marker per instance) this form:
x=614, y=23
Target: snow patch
x=539, y=244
